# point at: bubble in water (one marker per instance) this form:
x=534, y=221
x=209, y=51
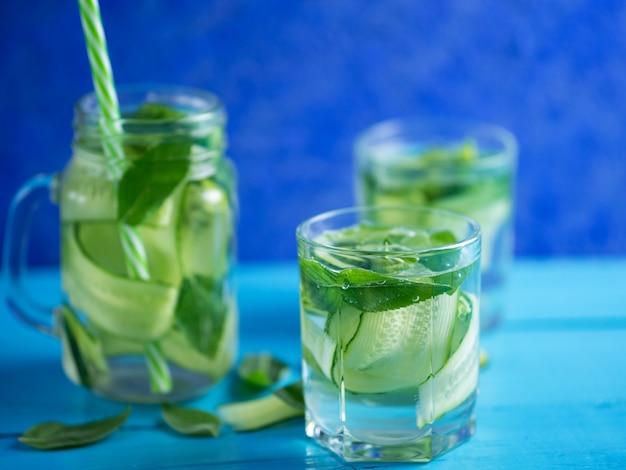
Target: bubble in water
x=345, y=284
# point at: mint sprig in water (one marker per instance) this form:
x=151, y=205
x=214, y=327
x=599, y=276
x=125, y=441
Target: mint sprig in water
x=53, y=435
x=201, y=313
x=366, y=290
x=144, y=185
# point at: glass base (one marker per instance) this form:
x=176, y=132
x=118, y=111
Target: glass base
x=128, y=381
x=451, y=431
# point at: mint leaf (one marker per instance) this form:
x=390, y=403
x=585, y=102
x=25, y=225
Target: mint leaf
x=191, y=421
x=261, y=370
x=54, y=435
x=201, y=313
x=442, y=260
x=454, y=279
x=154, y=111
x=465, y=151
x=372, y=292
x=319, y=286
x=160, y=166
x=149, y=181
x=365, y=290
x=74, y=362
x=82, y=351
x=442, y=237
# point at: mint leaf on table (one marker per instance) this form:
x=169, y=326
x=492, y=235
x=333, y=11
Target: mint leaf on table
x=201, y=313
x=53, y=435
x=191, y=421
x=261, y=370
x=159, y=167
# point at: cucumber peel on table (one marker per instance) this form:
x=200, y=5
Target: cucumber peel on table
x=284, y=403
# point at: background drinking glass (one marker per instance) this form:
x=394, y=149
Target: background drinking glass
x=461, y=166
x=390, y=323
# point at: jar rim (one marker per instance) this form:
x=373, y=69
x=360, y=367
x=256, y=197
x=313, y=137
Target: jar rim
x=201, y=107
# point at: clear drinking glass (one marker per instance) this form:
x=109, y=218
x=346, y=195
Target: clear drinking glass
x=170, y=333
x=390, y=330
x=461, y=166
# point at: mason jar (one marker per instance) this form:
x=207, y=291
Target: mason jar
x=147, y=247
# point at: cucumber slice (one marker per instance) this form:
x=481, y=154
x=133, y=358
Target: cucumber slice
x=397, y=349
x=87, y=193
x=378, y=352
x=258, y=413
x=125, y=307
x=101, y=243
x=318, y=349
x=458, y=379
x=119, y=346
x=178, y=349
x=204, y=229
x=160, y=246
x=343, y=325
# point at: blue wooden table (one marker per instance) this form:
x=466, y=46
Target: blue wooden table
x=553, y=395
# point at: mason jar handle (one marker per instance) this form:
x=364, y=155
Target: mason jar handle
x=24, y=204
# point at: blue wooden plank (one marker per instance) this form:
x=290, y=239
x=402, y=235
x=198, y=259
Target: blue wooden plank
x=543, y=290
x=531, y=436
x=554, y=368
x=552, y=396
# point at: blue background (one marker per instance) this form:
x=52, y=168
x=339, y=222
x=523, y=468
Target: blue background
x=301, y=78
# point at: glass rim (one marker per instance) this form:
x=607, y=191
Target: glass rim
x=367, y=144
x=474, y=235
x=205, y=107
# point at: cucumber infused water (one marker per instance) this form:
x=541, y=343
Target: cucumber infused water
x=452, y=165
x=177, y=193
x=390, y=323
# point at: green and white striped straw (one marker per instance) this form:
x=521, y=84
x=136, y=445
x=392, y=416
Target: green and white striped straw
x=110, y=127
x=102, y=76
